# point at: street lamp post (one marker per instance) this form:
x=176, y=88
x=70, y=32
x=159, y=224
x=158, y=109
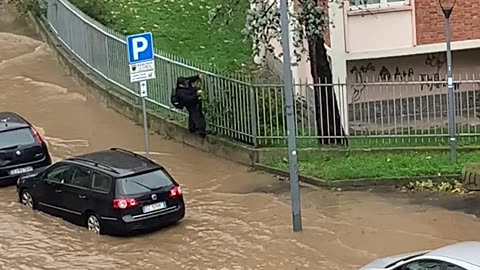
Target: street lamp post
x=289, y=109
x=447, y=8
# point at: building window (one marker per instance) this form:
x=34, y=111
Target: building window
x=363, y=4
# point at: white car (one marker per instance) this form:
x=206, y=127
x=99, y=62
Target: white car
x=460, y=256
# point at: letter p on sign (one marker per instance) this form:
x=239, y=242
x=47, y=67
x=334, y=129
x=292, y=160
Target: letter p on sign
x=139, y=45
x=140, y=48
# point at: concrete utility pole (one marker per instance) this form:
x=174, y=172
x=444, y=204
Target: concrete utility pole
x=289, y=109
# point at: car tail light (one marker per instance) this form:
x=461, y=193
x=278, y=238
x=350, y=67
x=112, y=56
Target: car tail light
x=36, y=135
x=124, y=203
x=176, y=191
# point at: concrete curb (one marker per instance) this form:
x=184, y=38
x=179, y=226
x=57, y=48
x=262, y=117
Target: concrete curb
x=363, y=182
x=105, y=91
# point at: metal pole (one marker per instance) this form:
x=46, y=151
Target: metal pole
x=450, y=94
x=289, y=109
x=143, y=94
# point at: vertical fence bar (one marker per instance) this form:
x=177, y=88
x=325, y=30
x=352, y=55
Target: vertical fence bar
x=253, y=114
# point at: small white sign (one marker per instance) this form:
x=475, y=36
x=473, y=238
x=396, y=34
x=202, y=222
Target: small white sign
x=142, y=76
x=450, y=81
x=142, y=71
x=143, y=89
x=142, y=67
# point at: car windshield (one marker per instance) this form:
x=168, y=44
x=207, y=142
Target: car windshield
x=16, y=137
x=144, y=183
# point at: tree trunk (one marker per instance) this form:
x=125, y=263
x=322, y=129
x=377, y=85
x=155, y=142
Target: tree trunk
x=329, y=125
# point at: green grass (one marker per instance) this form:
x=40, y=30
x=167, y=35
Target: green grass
x=181, y=27
x=359, y=142
x=369, y=143
x=341, y=166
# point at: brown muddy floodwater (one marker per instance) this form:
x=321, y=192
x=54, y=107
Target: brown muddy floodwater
x=231, y=222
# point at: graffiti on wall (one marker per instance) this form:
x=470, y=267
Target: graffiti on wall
x=360, y=74
x=434, y=62
x=384, y=74
x=399, y=75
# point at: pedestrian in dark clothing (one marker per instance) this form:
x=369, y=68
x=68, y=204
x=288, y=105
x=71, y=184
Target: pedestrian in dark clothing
x=191, y=98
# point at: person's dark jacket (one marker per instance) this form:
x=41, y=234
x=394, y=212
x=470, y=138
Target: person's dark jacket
x=188, y=95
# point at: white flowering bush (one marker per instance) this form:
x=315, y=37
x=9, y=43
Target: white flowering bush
x=308, y=21
x=262, y=25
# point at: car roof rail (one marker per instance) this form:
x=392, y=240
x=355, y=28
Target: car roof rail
x=133, y=154
x=95, y=163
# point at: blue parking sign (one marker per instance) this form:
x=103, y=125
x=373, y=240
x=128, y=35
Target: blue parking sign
x=140, y=48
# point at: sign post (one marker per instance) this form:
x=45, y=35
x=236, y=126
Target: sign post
x=141, y=60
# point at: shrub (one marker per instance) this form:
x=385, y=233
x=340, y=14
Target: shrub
x=33, y=6
x=96, y=9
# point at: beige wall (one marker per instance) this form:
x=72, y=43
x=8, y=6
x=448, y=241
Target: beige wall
x=426, y=67
x=380, y=31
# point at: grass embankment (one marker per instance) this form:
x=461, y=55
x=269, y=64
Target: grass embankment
x=469, y=137
x=342, y=166
x=179, y=27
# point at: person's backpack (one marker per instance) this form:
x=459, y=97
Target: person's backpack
x=176, y=102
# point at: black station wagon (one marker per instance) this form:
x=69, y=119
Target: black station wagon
x=110, y=192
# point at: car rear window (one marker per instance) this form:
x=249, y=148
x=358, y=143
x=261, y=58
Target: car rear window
x=16, y=137
x=144, y=183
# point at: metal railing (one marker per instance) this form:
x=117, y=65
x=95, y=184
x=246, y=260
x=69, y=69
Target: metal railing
x=414, y=112
x=367, y=114
x=229, y=99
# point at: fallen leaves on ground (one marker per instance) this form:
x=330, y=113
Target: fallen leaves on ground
x=430, y=186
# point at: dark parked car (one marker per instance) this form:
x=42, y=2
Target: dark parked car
x=110, y=192
x=22, y=149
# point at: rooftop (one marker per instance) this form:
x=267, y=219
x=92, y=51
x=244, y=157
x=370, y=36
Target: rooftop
x=463, y=251
x=10, y=120
x=118, y=162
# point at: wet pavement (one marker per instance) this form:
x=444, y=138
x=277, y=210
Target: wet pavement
x=236, y=218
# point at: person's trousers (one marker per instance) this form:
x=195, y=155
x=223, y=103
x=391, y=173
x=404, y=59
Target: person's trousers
x=196, y=120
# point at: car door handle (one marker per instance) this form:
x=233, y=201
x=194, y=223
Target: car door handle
x=82, y=196
x=58, y=190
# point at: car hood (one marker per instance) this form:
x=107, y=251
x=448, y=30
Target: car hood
x=33, y=173
x=383, y=262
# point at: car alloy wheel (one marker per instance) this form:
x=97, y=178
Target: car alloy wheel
x=27, y=199
x=93, y=224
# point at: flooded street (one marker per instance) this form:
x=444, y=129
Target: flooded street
x=236, y=219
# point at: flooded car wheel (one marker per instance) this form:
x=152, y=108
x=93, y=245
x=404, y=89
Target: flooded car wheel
x=27, y=198
x=93, y=224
